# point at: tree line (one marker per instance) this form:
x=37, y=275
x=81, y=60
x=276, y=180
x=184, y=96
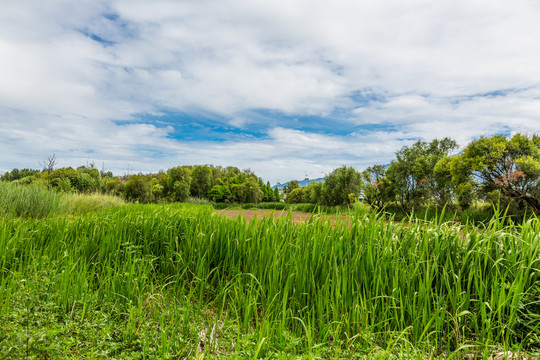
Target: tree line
x=177, y=184
x=498, y=169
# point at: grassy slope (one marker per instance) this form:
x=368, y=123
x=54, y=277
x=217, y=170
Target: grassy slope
x=172, y=281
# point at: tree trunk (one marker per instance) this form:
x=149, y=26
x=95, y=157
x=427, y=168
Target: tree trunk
x=533, y=202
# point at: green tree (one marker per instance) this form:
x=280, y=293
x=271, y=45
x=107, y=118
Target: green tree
x=113, y=186
x=252, y=192
x=376, y=188
x=138, y=188
x=219, y=193
x=442, y=174
x=314, y=193
x=277, y=195
x=88, y=179
x=439, y=188
x=158, y=190
x=180, y=191
x=201, y=180
x=268, y=193
x=17, y=174
x=454, y=182
x=340, y=183
x=177, y=183
x=296, y=196
x=62, y=179
x=412, y=173
x=290, y=186
x=238, y=193
x=511, y=166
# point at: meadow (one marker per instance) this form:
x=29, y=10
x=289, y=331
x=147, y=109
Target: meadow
x=103, y=280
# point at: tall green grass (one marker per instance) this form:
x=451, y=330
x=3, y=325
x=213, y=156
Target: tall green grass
x=179, y=280
x=78, y=204
x=28, y=201
x=40, y=202
x=302, y=207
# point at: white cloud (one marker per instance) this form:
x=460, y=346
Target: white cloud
x=429, y=62
x=460, y=118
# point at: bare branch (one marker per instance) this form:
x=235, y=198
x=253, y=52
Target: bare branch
x=49, y=163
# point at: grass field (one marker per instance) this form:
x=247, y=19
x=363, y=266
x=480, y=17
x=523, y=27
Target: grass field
x=179, y=281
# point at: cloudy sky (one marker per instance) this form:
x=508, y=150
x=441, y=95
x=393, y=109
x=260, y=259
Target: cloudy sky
x=284, y=87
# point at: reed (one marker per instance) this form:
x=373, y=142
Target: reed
x=34, y=201
x=75, y=203
x=28, y=201
x=178, y=280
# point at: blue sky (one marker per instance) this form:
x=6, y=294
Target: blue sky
x=284, y=88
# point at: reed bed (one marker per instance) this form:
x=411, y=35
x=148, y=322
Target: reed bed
x=35, y=201
x=28, y=201
x=178, y=281
x=78, y=204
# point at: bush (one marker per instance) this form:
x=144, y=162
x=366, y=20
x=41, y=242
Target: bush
x=137, y=188
x=27, y=180
x=308, y=208
x=220, y=206
x=61, y=177
x=273, y=205
x=112, y=186
x=86, y=183
x=62, y=185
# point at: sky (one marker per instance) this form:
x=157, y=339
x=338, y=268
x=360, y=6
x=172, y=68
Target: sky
x=286, y=88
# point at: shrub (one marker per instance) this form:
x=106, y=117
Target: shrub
x=62, y=185
x=27, y=180
x=273, y=205
x=305, y=207
x=220, y=206
x=137, y=188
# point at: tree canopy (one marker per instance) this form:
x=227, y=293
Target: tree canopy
x=510, y=166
